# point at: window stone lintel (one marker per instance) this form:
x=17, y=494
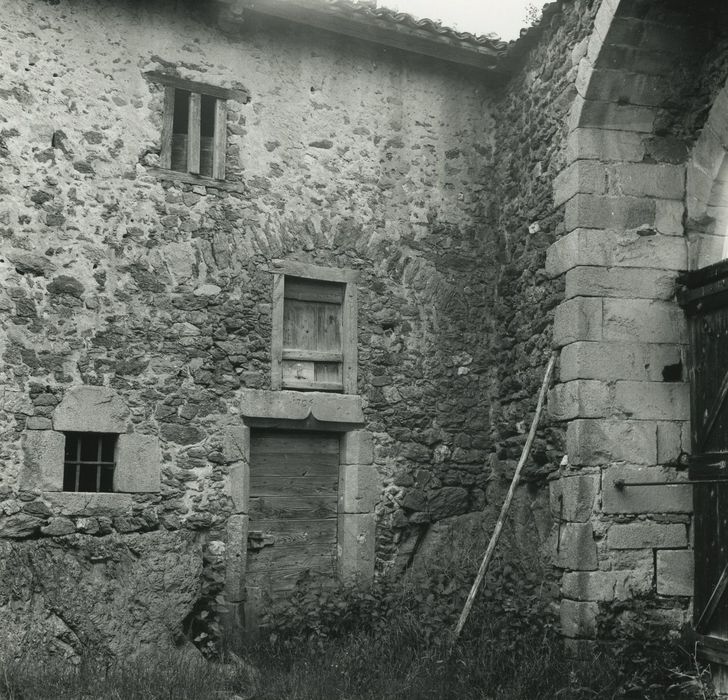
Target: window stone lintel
x=298, y=405
x=91, y=409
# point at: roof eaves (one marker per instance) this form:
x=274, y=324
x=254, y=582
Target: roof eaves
x=384, y=26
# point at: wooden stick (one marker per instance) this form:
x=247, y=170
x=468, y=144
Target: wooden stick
x=507, y=503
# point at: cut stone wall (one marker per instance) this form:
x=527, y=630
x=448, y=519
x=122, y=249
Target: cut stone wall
x=624, y=393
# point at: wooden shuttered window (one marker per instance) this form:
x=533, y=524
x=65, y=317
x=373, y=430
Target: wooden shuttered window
x=194, y=132
x=312, y=354
x=314, y=340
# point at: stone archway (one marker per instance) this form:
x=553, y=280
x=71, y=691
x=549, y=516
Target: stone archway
x=707, y=189
x=623, y=393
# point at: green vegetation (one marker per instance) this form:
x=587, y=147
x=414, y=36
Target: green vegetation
x=392, y=643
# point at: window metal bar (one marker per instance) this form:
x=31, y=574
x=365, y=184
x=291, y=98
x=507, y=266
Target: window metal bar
x=98, y=463
x=619, y=484
x=78, y=462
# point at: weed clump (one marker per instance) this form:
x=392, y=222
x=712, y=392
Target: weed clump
x=394, y=642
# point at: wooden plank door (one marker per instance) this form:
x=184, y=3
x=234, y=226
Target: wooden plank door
x=294, y=482
x=704, y=296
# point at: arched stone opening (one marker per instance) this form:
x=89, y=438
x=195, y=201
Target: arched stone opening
x=707, y=190
x=623, y=390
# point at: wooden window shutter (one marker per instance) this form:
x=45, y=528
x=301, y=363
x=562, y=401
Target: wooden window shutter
x=220, y=140
x=165, y=157
x=312, y=344
x=193, y=134
x=194, y=129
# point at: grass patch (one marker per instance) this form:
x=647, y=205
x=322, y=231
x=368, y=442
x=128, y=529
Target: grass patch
x=401, y=664
x=175, y=676
x=393, y=643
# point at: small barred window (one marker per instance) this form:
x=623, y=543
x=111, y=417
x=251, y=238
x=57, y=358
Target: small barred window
x=89, y=462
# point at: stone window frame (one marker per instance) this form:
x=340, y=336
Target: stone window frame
x=196, y=89
x=348, y=278
x=359, y=486
x=91, y=409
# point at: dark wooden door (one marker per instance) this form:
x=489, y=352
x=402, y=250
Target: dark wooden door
x=294, y=481
x=704, y=295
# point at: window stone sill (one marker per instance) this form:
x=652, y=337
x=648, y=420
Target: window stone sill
x=190, y=179
x=89, y=504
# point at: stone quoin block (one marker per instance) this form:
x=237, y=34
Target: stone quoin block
x=582, y=247
x=608, y=115
x=92, y=409
x=653, y=400
x=620, y=282
x=601, y=441
x=578, y=319
x=670, y=498
x=580, y=398
x=356, y=548
x=577, y=549
x=669, y=215
x=620, y=86
x=707, y=154
x=43, y=460
x=357, y=447
x=236, y=453
x=358, y=488
x=717, y=121
x=239, y=483
x=138, y=464
x=573, y=497
x=604, y=145
x=610, y=361
x=585, y=176
x=643, y=61
x=644, y=320
x=602, y=212
x=607, y=585
x=675, y=572
x=578, y=619
x=659, y=37
x=236, y=549
x=698, y=187
x=705, y=249
x=602, y=22
x=236, y=444
x=661, y=180
x=647, y=535
x=673, y=438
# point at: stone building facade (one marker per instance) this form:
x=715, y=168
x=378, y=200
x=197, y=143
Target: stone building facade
x=461, y=206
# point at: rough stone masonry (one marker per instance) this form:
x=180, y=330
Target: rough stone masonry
x=487, y=216
x=141, y=305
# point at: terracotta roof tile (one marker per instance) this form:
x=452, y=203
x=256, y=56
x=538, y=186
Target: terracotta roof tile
x=370, y=10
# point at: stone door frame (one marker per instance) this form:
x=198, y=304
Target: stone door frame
x=358, y=485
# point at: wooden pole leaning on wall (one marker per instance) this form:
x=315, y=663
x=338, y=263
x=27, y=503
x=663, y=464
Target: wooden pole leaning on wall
x=506, y=504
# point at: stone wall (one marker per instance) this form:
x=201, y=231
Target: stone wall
x=344, y=155
x=488, y=221
x=530, y=137
x=624, y=390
